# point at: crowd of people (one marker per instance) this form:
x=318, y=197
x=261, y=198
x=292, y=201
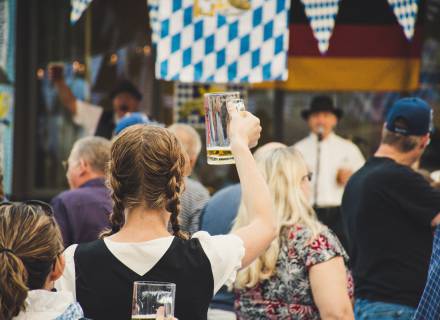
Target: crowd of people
x=311, y=231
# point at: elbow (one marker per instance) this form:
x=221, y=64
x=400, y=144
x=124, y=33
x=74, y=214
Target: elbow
x=338, y=313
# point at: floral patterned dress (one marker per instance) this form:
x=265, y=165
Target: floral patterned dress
x=287, y=294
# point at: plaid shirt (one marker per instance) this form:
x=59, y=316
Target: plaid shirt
x=429, y=306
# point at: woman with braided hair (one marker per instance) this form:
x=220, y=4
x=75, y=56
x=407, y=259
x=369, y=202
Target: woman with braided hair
x=146, y=179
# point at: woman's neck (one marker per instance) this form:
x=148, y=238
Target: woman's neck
x=143, y=225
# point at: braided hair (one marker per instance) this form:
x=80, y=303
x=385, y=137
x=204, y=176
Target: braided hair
x=146, y=170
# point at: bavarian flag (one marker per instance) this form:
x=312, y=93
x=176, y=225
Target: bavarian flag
x=368, y=51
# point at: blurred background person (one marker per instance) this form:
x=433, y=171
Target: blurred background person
x=83, y=211
x=132, y=118
x=332, y=160
x=31, y=259
x=195, y=195
x=303, y=274
x=217, y=218
x=94, y=119
x=389, y=210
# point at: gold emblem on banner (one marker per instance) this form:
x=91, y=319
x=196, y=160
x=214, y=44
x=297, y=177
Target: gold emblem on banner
x=5, y=104
x=223, y=7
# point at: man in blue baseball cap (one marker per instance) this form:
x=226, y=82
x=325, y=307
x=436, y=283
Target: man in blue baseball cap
x=389, y=211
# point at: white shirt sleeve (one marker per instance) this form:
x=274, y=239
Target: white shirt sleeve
x=356, y=157
x=67, y=281
x=87, y=116
x=225, y=253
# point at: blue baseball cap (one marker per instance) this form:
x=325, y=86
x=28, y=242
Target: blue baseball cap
x=416, y=114
x=130, y=120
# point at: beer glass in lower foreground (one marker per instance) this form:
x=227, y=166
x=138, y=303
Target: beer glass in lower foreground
x=153, y=300
x=218, y=147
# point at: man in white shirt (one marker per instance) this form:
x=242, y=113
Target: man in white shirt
x=331, y=158
x=94, y=119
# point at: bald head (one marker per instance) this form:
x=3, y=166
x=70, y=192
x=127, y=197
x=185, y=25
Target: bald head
x=261, y=151
x=190, y=140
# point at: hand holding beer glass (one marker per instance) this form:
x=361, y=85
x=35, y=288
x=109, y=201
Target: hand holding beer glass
x=220, y=128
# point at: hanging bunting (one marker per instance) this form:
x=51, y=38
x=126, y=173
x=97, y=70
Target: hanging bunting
x=368, y=52
x=153, y=8
x=406, y=14
x=322, y=15
x=78, y=8
x=222, y=40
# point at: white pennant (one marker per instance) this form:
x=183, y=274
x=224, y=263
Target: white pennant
x=322, y=15
x=406, y=14
x=78, y=7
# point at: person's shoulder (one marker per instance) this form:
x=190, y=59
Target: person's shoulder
x=303, y=142
x=81, y=195
x=195, y=186
x=345, y=142
x=227, y=192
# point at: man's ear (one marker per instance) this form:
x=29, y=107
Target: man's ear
x=58, y=268
x=83, y=166
x=426, y=140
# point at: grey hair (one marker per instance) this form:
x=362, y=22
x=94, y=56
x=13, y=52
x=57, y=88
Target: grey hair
x=188, y=137
x=93, y=150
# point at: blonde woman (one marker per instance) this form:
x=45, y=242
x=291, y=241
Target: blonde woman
x=303, y=274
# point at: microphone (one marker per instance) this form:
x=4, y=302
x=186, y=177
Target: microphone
x=320, y=133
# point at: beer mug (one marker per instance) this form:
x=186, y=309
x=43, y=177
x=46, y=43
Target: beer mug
x=153, y=300
x=218, y=148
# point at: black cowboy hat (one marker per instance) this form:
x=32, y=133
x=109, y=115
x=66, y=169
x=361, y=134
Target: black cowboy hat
x=321, y=104
x=126, y=86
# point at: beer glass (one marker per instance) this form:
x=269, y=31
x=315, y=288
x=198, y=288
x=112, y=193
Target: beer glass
x=218, y=146
x=153, y=300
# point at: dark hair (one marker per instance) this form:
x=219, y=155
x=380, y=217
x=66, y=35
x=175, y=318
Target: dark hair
x=30, y=242
x=146, y=169
x=402, y=143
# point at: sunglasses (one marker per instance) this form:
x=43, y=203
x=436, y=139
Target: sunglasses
x=47, y=208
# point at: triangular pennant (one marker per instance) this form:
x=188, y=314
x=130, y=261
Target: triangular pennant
x=78, y=7
x=406, y=14
x=322, y=14
x=153, y=10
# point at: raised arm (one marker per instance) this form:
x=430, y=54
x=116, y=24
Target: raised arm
x=66, y=95
x=244, y=130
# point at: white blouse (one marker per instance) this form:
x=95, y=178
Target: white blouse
x=224, y=252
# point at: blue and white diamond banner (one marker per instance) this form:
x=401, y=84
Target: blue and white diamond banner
x=406, y=14
x=222, y=40
x=153, y=8
x=322, y=15
x=78, y=7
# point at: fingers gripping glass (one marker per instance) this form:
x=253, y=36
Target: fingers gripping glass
x=218, y=146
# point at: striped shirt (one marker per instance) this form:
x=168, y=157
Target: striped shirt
x=193, y=200
x=429, y=306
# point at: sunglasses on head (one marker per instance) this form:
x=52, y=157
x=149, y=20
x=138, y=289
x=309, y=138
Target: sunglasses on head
x=47, y=208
